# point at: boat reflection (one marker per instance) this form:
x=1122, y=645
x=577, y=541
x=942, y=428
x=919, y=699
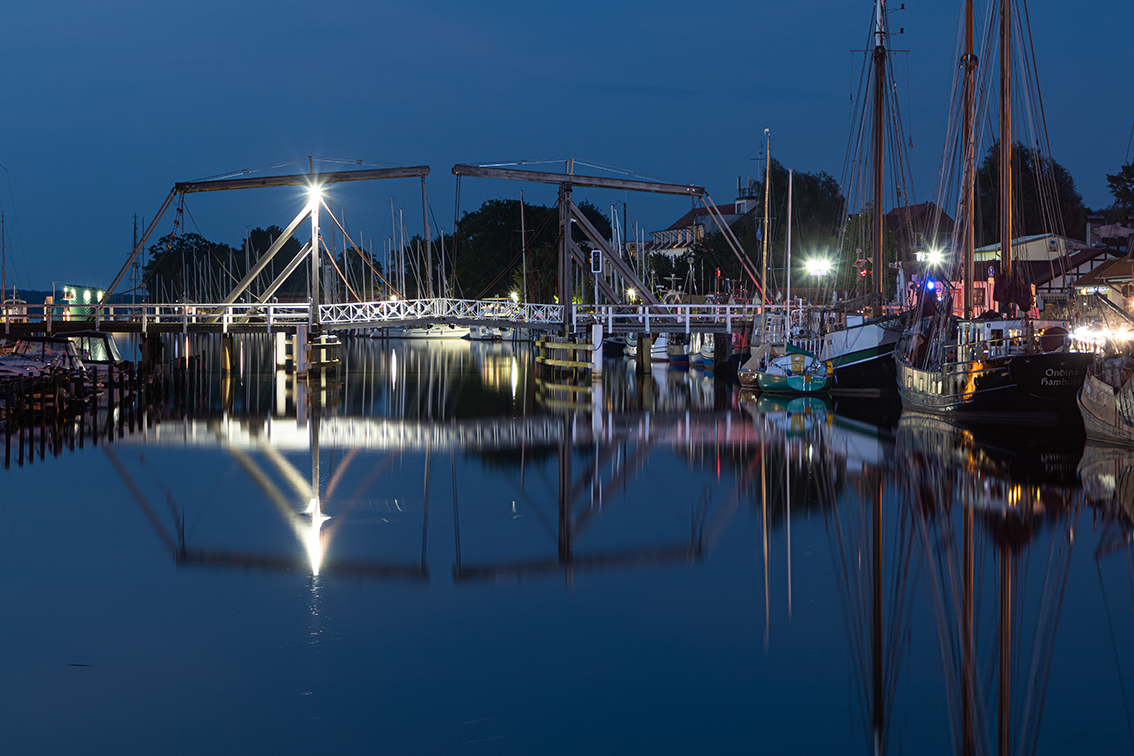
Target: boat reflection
x=978, y=507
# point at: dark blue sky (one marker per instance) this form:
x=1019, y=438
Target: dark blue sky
x=106, y=105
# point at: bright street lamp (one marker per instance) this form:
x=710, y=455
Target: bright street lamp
x=818, y=266
x=315, y=194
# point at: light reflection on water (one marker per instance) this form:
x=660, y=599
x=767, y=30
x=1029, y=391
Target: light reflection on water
x=444, y=552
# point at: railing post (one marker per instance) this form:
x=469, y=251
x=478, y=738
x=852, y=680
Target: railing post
x=728, y=318
x=185, y=318
x=97, y=314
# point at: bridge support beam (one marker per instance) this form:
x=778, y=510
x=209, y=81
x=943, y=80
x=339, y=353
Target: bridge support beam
x=300, y=356
x=645, y=346
x=596, y=352
x=565, y=272
x=722, y=353
x=228, y=353
x=280, y=349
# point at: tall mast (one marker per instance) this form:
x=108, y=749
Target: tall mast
x=879, y=123
x=764, y=271
x=968, y=241
x=524, y=248
x=1006, y=137
x=788, y=299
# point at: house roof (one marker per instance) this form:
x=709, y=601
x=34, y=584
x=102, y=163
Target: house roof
x=1041, y=272
x=918, y=216
x=699, y=213
x=1111, y=271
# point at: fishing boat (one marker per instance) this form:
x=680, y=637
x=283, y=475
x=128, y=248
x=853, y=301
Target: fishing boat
x=659, y=349
x=677, y=351
x=1009, y=366
x=614, y=346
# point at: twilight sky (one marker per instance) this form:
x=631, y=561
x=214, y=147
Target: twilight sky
x=106, y=105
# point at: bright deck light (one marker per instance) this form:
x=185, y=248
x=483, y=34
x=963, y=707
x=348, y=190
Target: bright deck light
x=515, y=297
x=935, y=256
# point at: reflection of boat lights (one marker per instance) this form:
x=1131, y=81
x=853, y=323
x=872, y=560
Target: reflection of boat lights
x=515, y=377
x=393, y=369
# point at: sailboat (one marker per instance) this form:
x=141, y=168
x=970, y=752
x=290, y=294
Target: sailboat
x=1013, y=368
x=860, y=347
x=795, y=370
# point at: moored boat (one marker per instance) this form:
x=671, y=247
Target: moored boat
x=796, y=372
x=35, y=356
x=1106, y=401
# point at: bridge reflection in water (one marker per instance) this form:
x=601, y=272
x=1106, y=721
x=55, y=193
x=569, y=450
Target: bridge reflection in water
x=401, y=406
x=945, y=541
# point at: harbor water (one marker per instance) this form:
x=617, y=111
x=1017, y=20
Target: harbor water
x=439, y=549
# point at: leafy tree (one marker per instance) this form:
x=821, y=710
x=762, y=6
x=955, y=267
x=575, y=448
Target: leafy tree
x=185, y=266
x=488, y=251
x=259, y=240
x=817, y=210
x=1122, y=189
x=1040, y=185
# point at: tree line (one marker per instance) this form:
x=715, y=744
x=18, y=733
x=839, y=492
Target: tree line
x=495, y=244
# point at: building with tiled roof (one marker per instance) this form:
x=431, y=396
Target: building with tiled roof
x=684, y=233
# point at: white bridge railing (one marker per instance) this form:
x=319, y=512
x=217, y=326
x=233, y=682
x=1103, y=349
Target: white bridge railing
x=274, y=314
x=441, y=310
x=689, y=318
x=618, y=318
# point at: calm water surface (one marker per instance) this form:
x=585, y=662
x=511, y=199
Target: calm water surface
x=441, y=554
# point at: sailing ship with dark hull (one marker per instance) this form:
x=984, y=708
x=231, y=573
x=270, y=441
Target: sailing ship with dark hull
x=1001, y=367
x=993, y=371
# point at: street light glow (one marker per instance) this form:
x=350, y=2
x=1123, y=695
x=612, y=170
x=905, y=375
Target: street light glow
x=935, y=256
x=818, y=266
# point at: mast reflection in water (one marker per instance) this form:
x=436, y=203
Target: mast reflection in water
x=438, y=550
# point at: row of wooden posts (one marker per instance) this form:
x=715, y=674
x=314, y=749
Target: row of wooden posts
x=66, y=409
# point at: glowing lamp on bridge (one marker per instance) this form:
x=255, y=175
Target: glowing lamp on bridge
x=935, y=256
x=629, y=295
x=515, y=297
x=315, y=194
